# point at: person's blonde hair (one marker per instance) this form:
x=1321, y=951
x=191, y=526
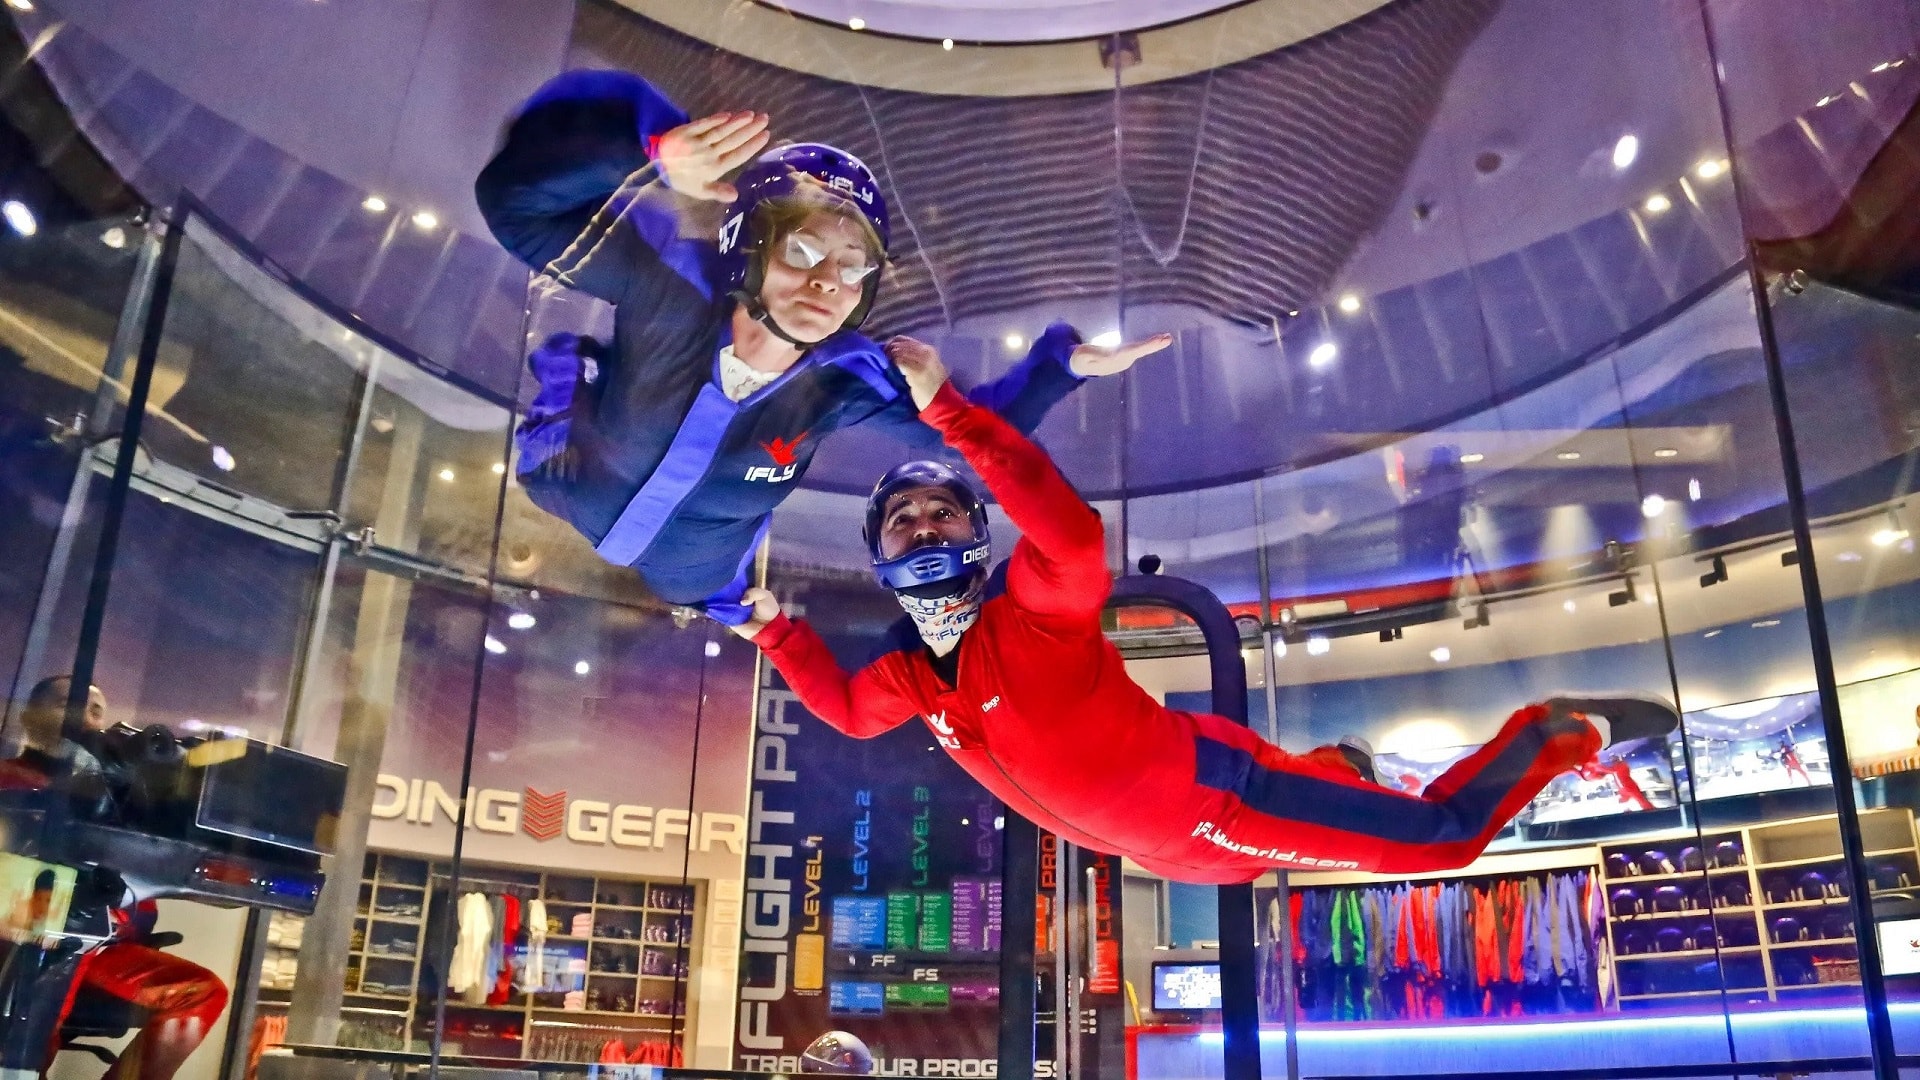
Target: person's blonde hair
x=775, y=218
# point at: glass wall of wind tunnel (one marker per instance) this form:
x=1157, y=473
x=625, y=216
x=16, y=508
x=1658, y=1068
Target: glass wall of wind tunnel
x=1558, y=308
x=1821, y=111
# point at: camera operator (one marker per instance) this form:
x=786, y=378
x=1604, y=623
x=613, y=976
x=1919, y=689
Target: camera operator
x=180, y=999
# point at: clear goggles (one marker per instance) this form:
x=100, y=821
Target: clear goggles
x=804, y=251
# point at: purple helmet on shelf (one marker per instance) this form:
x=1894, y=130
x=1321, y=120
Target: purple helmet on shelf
x=836, y=179
x=1627, y=902
x=1669, y=898
x=1670, y=939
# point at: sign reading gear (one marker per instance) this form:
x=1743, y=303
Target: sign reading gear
x=551, y=815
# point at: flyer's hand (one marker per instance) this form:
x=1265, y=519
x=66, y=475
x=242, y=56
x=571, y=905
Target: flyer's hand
x=921, y=364
x=694, y=156
x=1090, y=360
x=765, y=610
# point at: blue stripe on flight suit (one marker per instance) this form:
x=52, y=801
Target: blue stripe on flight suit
x=1375, y=811
x=679, y=472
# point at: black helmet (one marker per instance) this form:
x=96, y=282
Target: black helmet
x=937, y=571
x=838, y=1053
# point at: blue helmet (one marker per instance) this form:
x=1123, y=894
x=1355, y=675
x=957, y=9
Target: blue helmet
x=936, y=571
x=785, y=172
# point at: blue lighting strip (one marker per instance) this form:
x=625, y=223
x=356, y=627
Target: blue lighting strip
x=1482, y=1033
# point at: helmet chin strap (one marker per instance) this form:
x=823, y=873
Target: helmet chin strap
x=758, y=313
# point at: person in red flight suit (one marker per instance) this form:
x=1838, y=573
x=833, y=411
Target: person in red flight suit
x=180, y=998
x=1789, y=757
x=1025, y=692
x=1622, y=774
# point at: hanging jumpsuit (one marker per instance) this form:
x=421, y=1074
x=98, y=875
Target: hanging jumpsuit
x=1046, y=718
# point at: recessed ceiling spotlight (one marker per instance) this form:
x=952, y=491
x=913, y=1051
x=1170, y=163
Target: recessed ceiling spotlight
x=1709, y=168
x=1711, y=634
x=1658, y=204
x=1350, y=303
x=1625, y=151
x=115, y=238
x=223, y=459
x=499, y=468
x=1569, y=607
x=425, y=221
x=1653, y=506
x=447, y=475
x=1441, y=655
x=521, y=620
x=1472, y=459
x=1826, y=101
x=20, y=5
x=582, y=668
x=1693, y=490
x=1322, y=355
x=1568, y=455
x=1318, y=645
x=713, y=649
x=374, y=204
x=1014, y=342
x=1666, y=452
x=947, y=44
x=19, y=217
x=1881, y=66
x=1765, y=623
x=495, y=645
x=856, y=23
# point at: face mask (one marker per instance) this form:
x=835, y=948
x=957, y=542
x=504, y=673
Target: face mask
x=941, y=622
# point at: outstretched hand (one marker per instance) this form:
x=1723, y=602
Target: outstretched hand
x=922, y=366
x=1089, y=360
x=765, y=610
x=694, y=156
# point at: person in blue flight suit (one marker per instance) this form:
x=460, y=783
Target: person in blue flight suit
x=734, y=348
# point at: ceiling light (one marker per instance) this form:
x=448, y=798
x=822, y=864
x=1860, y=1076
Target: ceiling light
x=1350, y=303
x=1569, y=607
x=1666, y=452
x=1848, y=556
x=1891, y=533
x=115, y=238
x=1764, y=623
x=1881, y=66
x=1322, y=355
x=521, y=620
x=1318, y=645
x=381, y=424
x=1441, y=655
x=495, y=645
x=447, y=475
x=499, y=468
x=19, y=217
x=582, y=668
x=1711, y=634
x=1658, y=204
x=1472, y=459
x=1709, y=169
x=374, y=203
x=223, y=459
x=947, y=44
x=856, y=23
x=1568, y=455
x=1648, y=598
x=1625, y=151
x=1693, y=490
x=425, y=221
x=1653, y=506
x=1014, y=342
x=1108, y=340
x=1826, y=101
x=713, y=649
x=20, y=5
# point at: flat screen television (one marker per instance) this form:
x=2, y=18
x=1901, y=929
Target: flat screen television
x=1185, y=987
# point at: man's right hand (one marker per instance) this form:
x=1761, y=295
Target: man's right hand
x=765, y=610
x=920, y=364
x=694, y=156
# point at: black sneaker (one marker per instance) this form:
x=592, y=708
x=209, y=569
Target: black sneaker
x=1630, y=716
x=1359, y=754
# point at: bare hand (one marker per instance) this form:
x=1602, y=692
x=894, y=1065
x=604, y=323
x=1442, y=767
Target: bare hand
x=1090, y=360
x=920, y=363
x=694, y=156
x=765, y=610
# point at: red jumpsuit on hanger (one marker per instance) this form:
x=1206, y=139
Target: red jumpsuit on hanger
x=1046, y=718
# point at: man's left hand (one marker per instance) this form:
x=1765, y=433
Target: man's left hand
x=1090, y=360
